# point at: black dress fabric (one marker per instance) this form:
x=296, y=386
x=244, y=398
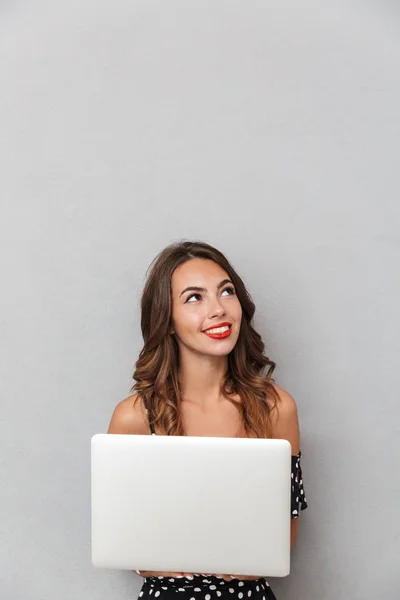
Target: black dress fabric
x=199, y=587
x=211, y=587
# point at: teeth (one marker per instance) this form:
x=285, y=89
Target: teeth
x=218, y=329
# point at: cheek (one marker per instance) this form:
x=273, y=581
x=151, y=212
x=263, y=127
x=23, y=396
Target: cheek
x=238, y=311
x=188, y=321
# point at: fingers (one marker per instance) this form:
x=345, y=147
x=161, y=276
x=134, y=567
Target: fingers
x=158, y=573
x=180, y=574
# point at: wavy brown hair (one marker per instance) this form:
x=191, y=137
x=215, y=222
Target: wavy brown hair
x=156, y=370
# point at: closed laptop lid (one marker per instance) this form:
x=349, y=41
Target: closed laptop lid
x=192, y=504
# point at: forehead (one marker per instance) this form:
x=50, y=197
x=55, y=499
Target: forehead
x=199, y=272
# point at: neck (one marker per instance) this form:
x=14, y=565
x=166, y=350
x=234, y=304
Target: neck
x=200, y=378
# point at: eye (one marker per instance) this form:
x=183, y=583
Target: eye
x=230, y=290
x=227, y=289
x=192, y=296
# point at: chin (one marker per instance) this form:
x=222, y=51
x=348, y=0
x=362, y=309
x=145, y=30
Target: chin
x=222, y=350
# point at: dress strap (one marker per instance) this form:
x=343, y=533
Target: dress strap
x=147, y=411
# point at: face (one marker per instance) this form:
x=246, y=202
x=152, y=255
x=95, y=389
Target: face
x=212, y=303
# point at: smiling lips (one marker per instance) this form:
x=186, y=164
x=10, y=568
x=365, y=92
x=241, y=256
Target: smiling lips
x=220, y=331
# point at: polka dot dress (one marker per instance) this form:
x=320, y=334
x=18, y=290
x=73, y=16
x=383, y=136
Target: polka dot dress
x=212, y=587
x=199, y=587
x=298, y=495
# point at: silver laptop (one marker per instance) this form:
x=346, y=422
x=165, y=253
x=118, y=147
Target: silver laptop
x=191, y=504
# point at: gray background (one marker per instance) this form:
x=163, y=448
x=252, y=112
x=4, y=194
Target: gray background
x=269, y=129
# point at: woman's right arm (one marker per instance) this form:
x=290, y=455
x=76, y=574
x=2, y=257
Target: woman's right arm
x=129, y=417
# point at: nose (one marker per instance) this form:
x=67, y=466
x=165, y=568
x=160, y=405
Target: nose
x=216, y=309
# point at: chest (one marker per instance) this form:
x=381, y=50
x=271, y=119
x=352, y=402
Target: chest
x=220, y=421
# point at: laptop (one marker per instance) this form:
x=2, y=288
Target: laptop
x=191, y=504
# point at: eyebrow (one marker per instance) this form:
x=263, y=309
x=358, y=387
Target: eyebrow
x=194, y=288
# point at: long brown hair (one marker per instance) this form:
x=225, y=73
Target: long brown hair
x=156, y=370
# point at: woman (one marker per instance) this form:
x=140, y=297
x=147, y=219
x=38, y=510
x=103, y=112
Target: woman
x=200, y=373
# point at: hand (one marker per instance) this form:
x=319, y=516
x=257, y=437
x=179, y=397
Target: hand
x=238, y=577
x=190, y=575
x=163, y=574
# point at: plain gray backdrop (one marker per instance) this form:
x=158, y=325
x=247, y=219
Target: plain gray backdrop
x=268, y=129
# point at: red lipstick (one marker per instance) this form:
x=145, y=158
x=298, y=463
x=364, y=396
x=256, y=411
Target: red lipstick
x=219, y=336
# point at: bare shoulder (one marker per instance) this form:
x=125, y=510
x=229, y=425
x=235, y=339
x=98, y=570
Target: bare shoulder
x=286, y=403
x=284, y=419
x=129, y=417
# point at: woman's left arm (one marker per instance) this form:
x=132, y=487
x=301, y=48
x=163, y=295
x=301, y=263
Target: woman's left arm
x=285, y=426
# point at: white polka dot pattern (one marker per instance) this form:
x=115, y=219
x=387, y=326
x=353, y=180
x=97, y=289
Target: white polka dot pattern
x=199, y=588
x=298, y=497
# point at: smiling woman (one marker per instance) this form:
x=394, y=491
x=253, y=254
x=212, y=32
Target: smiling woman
x=201, y=372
